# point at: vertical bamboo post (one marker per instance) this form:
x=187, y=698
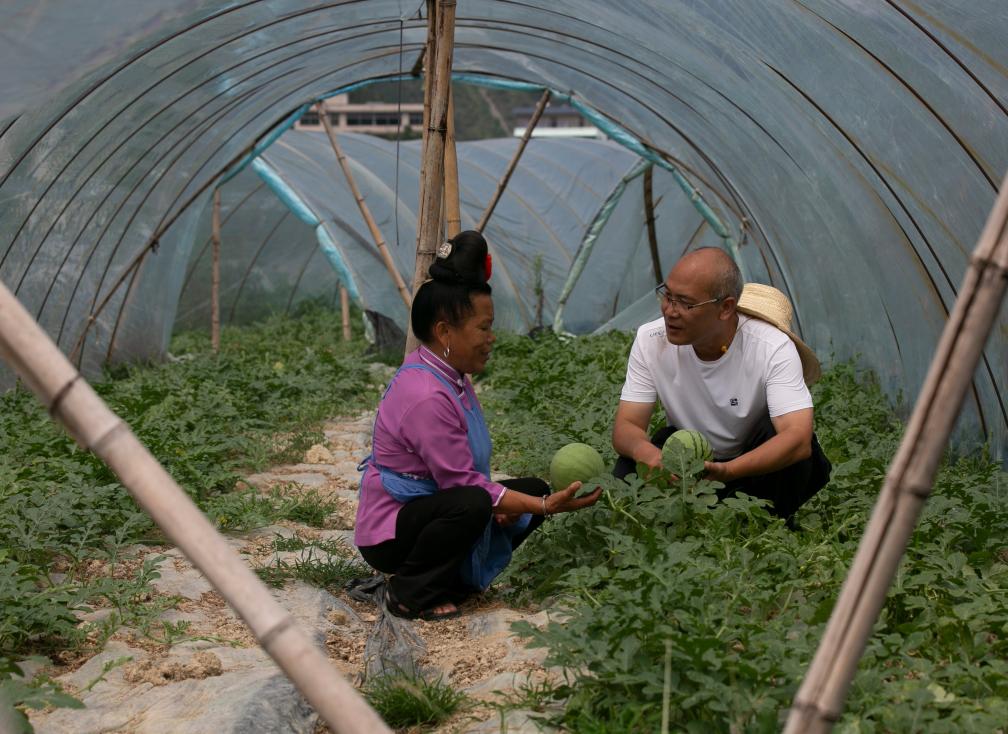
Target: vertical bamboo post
x=365, y=211
x=908, y=483
x=425, y=62
x=649, y=218
x=452, y=207
x=72, y=401
x=344, y=300
x=429, y=225
x=533, y=121
x=215, y=274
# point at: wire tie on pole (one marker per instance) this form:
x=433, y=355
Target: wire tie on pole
x=433, y=129
x=275, y=631
x=919, y=490
x=60, y=394
x=96, y=446
x=990, y=261
x=815, y=709
x=829, y=716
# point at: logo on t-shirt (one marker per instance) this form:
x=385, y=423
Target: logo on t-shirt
x=734, y=402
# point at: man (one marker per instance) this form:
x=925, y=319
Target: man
x=724, y=362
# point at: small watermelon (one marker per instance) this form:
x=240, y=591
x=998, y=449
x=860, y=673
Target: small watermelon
x=575, y=462
x=694, y=441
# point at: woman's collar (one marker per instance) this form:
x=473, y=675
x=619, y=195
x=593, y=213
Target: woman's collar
x=428, y=356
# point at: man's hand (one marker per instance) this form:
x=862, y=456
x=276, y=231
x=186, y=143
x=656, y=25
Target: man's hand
x=718, y=471
x=652, y=461
x=649, y=454
x=630, y=437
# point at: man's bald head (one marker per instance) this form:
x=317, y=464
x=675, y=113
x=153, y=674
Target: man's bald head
x=714, y=269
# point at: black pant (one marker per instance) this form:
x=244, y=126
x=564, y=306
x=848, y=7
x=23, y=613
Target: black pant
x=788, y=488
x=434, y=535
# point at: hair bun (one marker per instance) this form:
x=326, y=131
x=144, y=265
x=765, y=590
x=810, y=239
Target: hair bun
x=462, y=259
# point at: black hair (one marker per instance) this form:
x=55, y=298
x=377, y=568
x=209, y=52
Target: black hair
x=454, y=279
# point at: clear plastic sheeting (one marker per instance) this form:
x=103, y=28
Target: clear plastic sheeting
x=552, y=201
x=270, y=259
x=853, y=148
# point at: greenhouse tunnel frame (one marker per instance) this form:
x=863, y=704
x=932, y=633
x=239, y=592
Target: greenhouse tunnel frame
x=578, y=42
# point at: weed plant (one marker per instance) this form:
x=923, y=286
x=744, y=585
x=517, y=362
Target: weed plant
x=208, y=418
x=408, y=699
x=328, y=564
x=729, y=599
x=249, y=509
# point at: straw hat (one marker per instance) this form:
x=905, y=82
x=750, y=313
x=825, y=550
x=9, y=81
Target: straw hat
x=769, y=304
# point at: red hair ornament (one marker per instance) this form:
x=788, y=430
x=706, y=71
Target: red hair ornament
x=488, y=266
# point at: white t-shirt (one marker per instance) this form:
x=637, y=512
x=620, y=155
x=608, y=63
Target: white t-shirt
x=723, y=399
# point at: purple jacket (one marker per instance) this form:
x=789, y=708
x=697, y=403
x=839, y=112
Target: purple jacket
x=420, y=430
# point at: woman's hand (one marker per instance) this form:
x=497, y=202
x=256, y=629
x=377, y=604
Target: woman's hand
x=506, y=519
x=565, y=501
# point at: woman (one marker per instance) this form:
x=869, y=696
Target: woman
x=429, y=514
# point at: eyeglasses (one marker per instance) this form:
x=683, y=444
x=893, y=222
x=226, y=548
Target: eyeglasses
x=666, y=299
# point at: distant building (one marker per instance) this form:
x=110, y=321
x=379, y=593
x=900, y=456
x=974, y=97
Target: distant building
x=379, y=118
x=557, y=121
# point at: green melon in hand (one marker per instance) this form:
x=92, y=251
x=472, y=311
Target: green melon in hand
x=575, y=462
x=694, y=441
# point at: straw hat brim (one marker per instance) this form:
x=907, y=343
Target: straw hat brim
x=811, y=369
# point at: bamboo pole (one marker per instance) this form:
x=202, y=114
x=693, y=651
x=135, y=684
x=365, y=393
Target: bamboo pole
x=908, y=483
x=649, y=218
x=533, y=121
x=427, y=62
x=215, y=274
x=72, y=401
x=344, y=301
x=424, y=63
x=365, y=211
x=429, y=226
x=452, y=208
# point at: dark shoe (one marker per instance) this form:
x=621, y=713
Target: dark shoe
x=397, y=609
x=430, y=615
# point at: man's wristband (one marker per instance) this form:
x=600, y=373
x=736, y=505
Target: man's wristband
x=544, y=512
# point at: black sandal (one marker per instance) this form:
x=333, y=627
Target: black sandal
x=397, y=609
x=430, y=615
x=394, y=607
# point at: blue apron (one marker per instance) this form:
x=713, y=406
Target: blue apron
x=492, y=551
